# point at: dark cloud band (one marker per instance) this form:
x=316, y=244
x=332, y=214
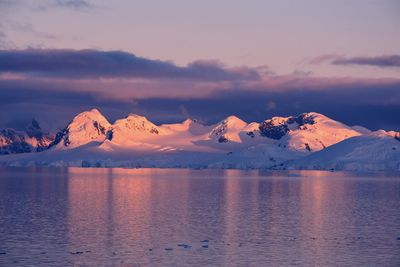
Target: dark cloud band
x=374, y=106
x=380, y=61
x=373, y=103
x=78, y=64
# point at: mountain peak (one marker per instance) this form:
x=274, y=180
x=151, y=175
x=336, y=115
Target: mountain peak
x=277, y=127
x=309, y=131
x=311, y=114
x=33, y=129
x=234, y=121
x=132, y=128
x=92, y=114
x=87, y=120
x=228, y=129
x=134, y=122
x=132, y=116
x=188, y=121
x=35, y=124
x=88, y=126
x=94, y=110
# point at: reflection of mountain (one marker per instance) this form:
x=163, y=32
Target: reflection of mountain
x=306, y=141
x=106, y=217
x=107, y=207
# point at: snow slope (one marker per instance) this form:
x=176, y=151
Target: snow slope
x=306, y=132
x=376, y=151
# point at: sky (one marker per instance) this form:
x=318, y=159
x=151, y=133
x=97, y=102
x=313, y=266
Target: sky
x=169, y=60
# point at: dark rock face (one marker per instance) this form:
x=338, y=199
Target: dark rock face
x=304, y=118
x=397, y=137
x=13, y=142
x=307, y=146
x=276, y=131
x=251, y=134
x=140, y=126
x=30, y=140
x=220, y=131
x=100, y=129
x=34, y=130
x=15, y=148
x=11, y=135
x=222, y=139
x=154, y=131
x=109, y=135
x=60, y=137
x=268, y=129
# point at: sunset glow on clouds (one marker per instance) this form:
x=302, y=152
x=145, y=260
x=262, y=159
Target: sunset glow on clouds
x=178, y=62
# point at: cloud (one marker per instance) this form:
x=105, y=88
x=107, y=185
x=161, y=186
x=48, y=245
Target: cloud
x=371, y=103
x=81, y=64
x=372, y=106
x=323, y=59
x=74, y=4
x=377, y=61
x=48, y=5
x=32, y=82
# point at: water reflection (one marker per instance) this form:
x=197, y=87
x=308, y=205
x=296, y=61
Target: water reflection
x=131, y=217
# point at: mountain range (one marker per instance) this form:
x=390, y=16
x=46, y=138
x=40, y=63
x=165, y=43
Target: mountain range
x=307, y=141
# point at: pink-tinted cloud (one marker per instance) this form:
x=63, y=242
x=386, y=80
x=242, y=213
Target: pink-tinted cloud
x=323, y=59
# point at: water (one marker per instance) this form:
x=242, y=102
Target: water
x=117, y=217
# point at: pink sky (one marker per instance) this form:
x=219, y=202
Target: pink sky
x=283, y=35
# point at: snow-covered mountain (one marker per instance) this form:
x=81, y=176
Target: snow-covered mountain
x=376, y=151
x=277, y=143
x=132, y=131
x=32, y=139
x=306, y=132
x=228, y=130
x=86, y=127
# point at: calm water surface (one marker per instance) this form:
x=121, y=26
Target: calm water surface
x=153, y=217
